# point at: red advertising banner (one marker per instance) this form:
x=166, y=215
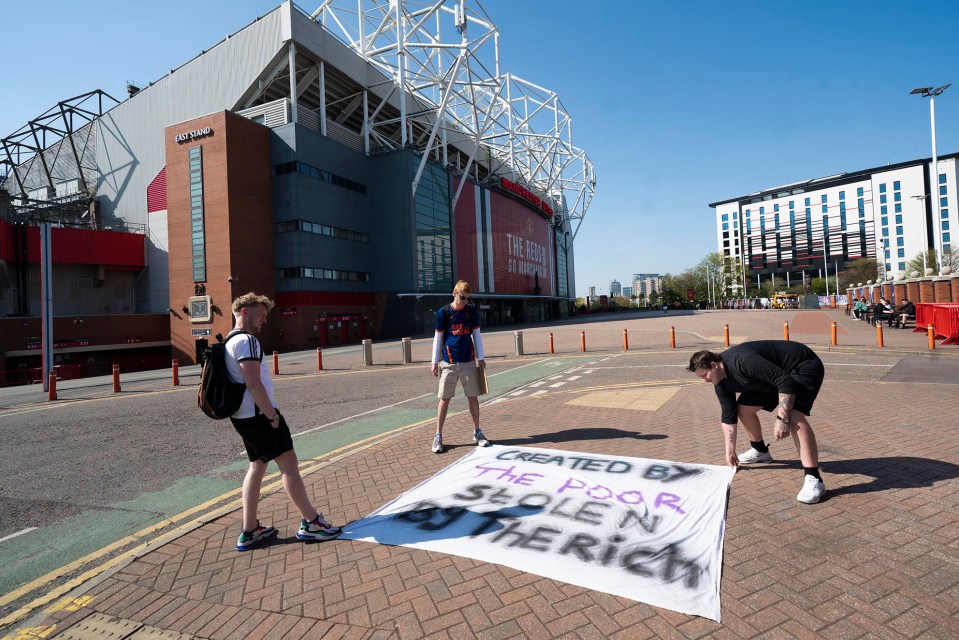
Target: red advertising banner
x=515, y=238
x=690, y=294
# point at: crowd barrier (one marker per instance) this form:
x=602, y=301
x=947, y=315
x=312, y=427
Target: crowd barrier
x=943, y=317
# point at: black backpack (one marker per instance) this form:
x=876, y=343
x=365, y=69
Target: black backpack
x=218, y=396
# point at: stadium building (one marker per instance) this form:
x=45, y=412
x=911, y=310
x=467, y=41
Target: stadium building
x=818, y=226
x=352, y=165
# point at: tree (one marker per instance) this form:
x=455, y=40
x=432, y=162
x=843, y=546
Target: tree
x=862, y=270
x=916, y=263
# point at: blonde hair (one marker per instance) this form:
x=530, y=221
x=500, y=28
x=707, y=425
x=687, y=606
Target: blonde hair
x=462, y=287
x=251, y=300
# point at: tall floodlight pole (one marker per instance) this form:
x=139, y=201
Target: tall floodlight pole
x=931, y=93
x=925, y=239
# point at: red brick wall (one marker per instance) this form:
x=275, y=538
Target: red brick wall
x=926, y=293
x=900, y=288
x=912, y=290
x=942, y=290
x=238, y=222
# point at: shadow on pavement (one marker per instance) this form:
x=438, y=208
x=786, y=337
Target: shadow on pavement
x=891, y=473
x=585, y=433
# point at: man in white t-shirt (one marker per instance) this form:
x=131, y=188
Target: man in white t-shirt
x=265, y=433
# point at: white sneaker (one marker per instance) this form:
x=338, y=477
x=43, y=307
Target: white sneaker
x=811, y=491
x=480, y=439
x=752, y=456
x=437, y=443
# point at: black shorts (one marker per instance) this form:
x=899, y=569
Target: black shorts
x=261, y=440
x=809, y=375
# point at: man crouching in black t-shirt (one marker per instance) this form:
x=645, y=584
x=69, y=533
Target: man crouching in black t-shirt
x=770, y=375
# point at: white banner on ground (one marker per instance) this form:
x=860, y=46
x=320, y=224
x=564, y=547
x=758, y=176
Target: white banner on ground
x=648, y=530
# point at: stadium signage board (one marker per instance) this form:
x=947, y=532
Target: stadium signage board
x=193, y=135
x=527, y=195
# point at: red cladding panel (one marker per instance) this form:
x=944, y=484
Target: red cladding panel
x=156, y=193
x=6, y=241
x=466, y=225
x=112, y=249
x=520, y=238
x=521, y=248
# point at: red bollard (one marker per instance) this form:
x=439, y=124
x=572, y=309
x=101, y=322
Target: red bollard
x=52, y=387
x=672, y=337
x=116, y=378
x=319, y=359
x=625, y=341
x=932, y=337
x=551, y=342
x=834, y=334
x=276, y=363
x=786, y=330
x=726, y=334
x=176, y=372
x=582, y=342
x=879, y=342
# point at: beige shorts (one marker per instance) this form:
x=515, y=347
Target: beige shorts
x=464, y=372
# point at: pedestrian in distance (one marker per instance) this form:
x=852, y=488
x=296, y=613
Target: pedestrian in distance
x=263, y=429
x=772, y=375
x=458, y=356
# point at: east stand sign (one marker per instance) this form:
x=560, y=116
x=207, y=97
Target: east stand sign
x=648, y=530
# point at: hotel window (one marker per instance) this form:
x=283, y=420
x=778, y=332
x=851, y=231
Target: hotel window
x=946, y=248
x=899, y=242
x=882, y=199
x=859, y=192
x=888, y=266
x=898, y=208
x=862, y=207
x=824, y=197
x=882, y=188
x=807, y=202
x=901, y=253
x=945, y=237
x=945, y=225
x=842, y=195
x=725, y=217
x=825, y=208
x=902, y=266
x=884, y=221
x=897, y=197
x=776, y=220
x=895, y=186
x=899, y=219
x=735, y=215
x=885, y=232
x=725, y=226
x=944, y=213
x=942, y=190
x=762, y=210
x=887, y=254
x=942, y=178
x=943, y=202
x=735, y=225
x=883, y=209
x=792, y=205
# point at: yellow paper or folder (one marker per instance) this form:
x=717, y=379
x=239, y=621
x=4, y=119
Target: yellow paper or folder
x=482, y=381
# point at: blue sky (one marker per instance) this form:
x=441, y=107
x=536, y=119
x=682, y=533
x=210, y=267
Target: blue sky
x=678, y=104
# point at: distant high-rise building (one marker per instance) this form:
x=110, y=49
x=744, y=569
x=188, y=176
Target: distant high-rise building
x=627, y=292
x=647, y=283
x=592, y=292
x=615, y=289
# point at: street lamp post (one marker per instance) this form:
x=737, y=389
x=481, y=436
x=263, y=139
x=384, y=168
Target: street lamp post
x=931, y=93
x=925, y=239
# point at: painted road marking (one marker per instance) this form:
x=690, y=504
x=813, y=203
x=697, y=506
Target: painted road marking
x=518, y=393
x=540, y=392
x=571, y=378
x=558, y=384
x=18, y=533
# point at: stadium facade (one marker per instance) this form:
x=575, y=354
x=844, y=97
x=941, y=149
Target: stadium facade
x=351, y=163
x=886, y=213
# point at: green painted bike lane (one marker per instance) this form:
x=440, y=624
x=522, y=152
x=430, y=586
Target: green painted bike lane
x=40, y=552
